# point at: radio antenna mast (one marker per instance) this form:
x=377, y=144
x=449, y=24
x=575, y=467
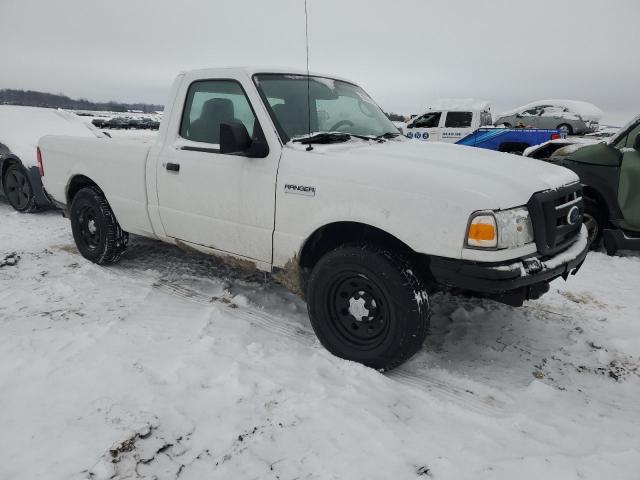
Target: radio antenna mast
x=306, y=35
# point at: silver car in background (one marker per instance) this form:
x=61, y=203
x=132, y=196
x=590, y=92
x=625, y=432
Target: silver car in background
x=569, y=116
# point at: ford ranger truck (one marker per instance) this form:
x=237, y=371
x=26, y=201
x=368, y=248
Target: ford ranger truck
x=305, y=177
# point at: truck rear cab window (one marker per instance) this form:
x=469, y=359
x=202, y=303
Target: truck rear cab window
x=458, y=119
x=485, y=119
x=211, y=103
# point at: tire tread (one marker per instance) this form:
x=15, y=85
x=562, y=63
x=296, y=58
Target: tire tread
x=116, y=239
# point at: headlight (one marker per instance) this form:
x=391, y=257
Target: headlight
x=498, y=230
x=482, y=230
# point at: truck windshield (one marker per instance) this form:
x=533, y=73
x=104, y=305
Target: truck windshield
x=336, y=106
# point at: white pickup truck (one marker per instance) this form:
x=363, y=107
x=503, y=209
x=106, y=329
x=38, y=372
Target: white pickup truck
x=362, y=222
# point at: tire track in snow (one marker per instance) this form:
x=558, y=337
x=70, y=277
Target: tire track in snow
x=464, y=398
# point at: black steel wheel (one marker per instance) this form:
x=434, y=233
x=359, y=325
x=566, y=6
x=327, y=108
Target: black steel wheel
x=357, y=309
x=88, y=226
x=18, y=189
x=366, y=305
x=96, y=231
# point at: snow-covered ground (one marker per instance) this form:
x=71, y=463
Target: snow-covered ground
x=145, y=136
x=169, y=365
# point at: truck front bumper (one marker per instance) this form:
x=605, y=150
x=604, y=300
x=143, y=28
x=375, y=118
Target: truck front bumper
x=511, y=282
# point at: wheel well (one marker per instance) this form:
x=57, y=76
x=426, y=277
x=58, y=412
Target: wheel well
x=5, y=166
x=596, y=196
x=330, y=236
x=76, y=184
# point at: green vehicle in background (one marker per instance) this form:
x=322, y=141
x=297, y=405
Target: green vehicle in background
x=610, y=176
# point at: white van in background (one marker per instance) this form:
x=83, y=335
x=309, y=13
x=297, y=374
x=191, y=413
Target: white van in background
x=450, y=120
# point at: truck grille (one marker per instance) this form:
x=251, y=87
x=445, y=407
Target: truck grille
x=552, y=213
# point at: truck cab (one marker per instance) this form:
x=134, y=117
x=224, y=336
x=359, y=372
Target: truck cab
x=450, y=124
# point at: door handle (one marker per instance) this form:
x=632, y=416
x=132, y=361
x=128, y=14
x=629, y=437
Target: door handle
x=172, y=167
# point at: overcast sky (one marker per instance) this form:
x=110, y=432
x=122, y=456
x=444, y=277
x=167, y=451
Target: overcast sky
x=405, y=53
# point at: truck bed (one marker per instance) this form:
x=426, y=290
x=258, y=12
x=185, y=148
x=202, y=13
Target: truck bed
x=508, y=139
x=118, y=167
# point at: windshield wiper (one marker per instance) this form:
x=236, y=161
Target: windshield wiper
x=324, y=137
x=388, y=135
x=338, y=137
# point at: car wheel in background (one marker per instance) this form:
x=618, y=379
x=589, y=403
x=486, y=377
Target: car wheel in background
x=565, y=128
x=594, y=219
x=507, y=125
x=96, y=231
x=367, y=305
x=18, y=189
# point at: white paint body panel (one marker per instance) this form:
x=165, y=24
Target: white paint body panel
x=420, y=192
x=442, y=133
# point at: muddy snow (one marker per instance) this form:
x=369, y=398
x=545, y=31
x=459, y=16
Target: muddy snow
x=170, y=365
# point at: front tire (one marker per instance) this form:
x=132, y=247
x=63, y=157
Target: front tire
x=96, y=231
x=367, y=305
x=594, y=219
x=18, y=189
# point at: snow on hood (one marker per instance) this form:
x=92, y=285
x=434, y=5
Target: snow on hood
x=22, y=127
x=490, y=179
x=586, y=110
x=580, y=141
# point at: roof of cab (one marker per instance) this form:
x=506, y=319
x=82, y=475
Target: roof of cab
x=253, y=70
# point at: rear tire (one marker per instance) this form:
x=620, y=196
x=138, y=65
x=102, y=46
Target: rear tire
x=566, y=128
x=96, y=231
x=367, y=305
x=18, y=189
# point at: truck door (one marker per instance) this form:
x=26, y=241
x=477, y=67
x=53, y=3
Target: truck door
x=425, y=127
x=221, y=201
x=629, y=187
x=457, y=125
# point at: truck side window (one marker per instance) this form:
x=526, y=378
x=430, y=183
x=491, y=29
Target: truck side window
x=631, y=137
x=458, y=119
x=428, y=120
x=210, y=103
x=485, y=119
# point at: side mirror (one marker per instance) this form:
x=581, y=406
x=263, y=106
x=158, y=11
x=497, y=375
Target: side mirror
x=235, y=140
x=636, y=143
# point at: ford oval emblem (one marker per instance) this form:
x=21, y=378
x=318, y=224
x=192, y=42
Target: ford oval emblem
x=573, y=216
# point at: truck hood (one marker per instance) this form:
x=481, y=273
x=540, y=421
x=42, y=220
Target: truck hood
x=488, y=179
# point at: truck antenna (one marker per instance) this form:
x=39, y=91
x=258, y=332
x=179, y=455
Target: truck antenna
x=306, y=35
